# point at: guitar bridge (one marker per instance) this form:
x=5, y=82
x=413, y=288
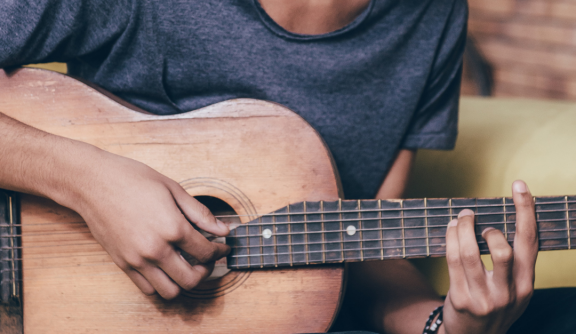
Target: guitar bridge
x=10, y=264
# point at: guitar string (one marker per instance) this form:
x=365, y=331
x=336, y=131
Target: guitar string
x=471, y=206
x=479, y=241
x=304, y=234
x=236, y=247
x=280, y=263
x=120, y=272
x=311, y=213
x=351, y=220
x=257, y=222
x=354, y=250
x=352, y=211
x=337, y=221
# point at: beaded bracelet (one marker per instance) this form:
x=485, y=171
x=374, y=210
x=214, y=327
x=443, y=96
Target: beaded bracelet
x=431, y=325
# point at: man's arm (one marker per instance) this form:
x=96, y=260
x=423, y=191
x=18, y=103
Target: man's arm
x=393, y=297
x=138, y=215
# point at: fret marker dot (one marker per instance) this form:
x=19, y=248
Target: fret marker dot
x=267, y=233
x=351, y=230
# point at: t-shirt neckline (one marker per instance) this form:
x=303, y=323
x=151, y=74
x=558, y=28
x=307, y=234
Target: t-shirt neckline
x=278, y=30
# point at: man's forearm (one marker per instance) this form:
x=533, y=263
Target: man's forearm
x=393, y=296
x=36, y=162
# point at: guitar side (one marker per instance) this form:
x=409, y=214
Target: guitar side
x=254, y=155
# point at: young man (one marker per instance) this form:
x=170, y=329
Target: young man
x=378, y=79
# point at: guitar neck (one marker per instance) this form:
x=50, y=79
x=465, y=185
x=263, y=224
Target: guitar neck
x=359, y=230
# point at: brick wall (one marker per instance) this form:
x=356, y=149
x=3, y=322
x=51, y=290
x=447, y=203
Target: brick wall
x=531, y=45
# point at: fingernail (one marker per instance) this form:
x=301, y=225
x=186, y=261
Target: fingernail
x=487, y=229
x=520, y=187
x=453, y=223
x=466, y=212
x=221, y=224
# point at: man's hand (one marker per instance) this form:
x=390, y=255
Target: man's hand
x=142, y=220
x=488, y=302
x=138, y=215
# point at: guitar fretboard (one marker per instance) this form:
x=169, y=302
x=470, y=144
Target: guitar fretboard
x=357, y=230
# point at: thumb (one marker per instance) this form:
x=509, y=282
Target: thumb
x=197, y=213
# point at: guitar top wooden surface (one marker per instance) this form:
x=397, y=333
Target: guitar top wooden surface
x=256, y=156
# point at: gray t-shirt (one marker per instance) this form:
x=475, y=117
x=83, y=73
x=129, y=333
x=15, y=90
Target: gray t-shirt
x=389, y=80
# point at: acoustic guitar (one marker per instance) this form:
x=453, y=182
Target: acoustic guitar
x=259, y=166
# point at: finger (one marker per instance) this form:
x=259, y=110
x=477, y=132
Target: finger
x=140, y=282
x=469, y=251
x=160, y=281
x=195, y=244
x=502, y=257
x=526, y=238
x=455, y=269
x=184, y=274
x=197, y=213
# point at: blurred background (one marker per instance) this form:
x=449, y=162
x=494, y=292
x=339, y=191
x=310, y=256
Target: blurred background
x=529, y=48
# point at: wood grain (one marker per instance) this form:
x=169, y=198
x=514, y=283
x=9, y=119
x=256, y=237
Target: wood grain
x=254, y=155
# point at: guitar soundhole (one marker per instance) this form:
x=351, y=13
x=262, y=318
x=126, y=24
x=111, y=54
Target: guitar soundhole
x=222, y=280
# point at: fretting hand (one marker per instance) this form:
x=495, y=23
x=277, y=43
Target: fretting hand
x=488, y=302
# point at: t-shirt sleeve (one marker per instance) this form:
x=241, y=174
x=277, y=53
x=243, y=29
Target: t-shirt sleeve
x=435, y=122
x=38, y=31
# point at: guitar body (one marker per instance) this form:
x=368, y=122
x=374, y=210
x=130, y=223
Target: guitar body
x=255, y=156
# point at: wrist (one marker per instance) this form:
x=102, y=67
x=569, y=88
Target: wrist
x=73, y=166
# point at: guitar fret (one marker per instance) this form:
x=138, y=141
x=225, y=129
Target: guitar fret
x=553, y=221
x=274, y=231
x=426, y=226
x=261, y=244
x=289, y=235
x=350, y=230
x=403, y=230
x=341, y=235
x=323, y=232
x=267, y=239
x=333, y=232
x=248, y=244
x=314, y=230
x=381, y=230
x=306, y=237
x=567, y=221
x=369, y=229
x=505, y=220
x=13, y=255
x=360, y=231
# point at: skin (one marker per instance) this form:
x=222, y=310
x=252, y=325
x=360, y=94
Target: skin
x=144, y=234
x=389, y=296
x=313, y=17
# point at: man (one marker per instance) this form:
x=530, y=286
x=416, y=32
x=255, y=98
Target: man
x=378, y=79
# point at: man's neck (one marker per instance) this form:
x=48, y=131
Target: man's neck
x=313, y=17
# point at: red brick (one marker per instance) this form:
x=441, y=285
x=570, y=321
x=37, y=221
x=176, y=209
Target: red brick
x=486, y=27
x=541, y=33
x=535, y=8
x=552, y=84
x=563, y=10
x=499, y=52
x=498, y=7
x=508, y=90
x=571, y=89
